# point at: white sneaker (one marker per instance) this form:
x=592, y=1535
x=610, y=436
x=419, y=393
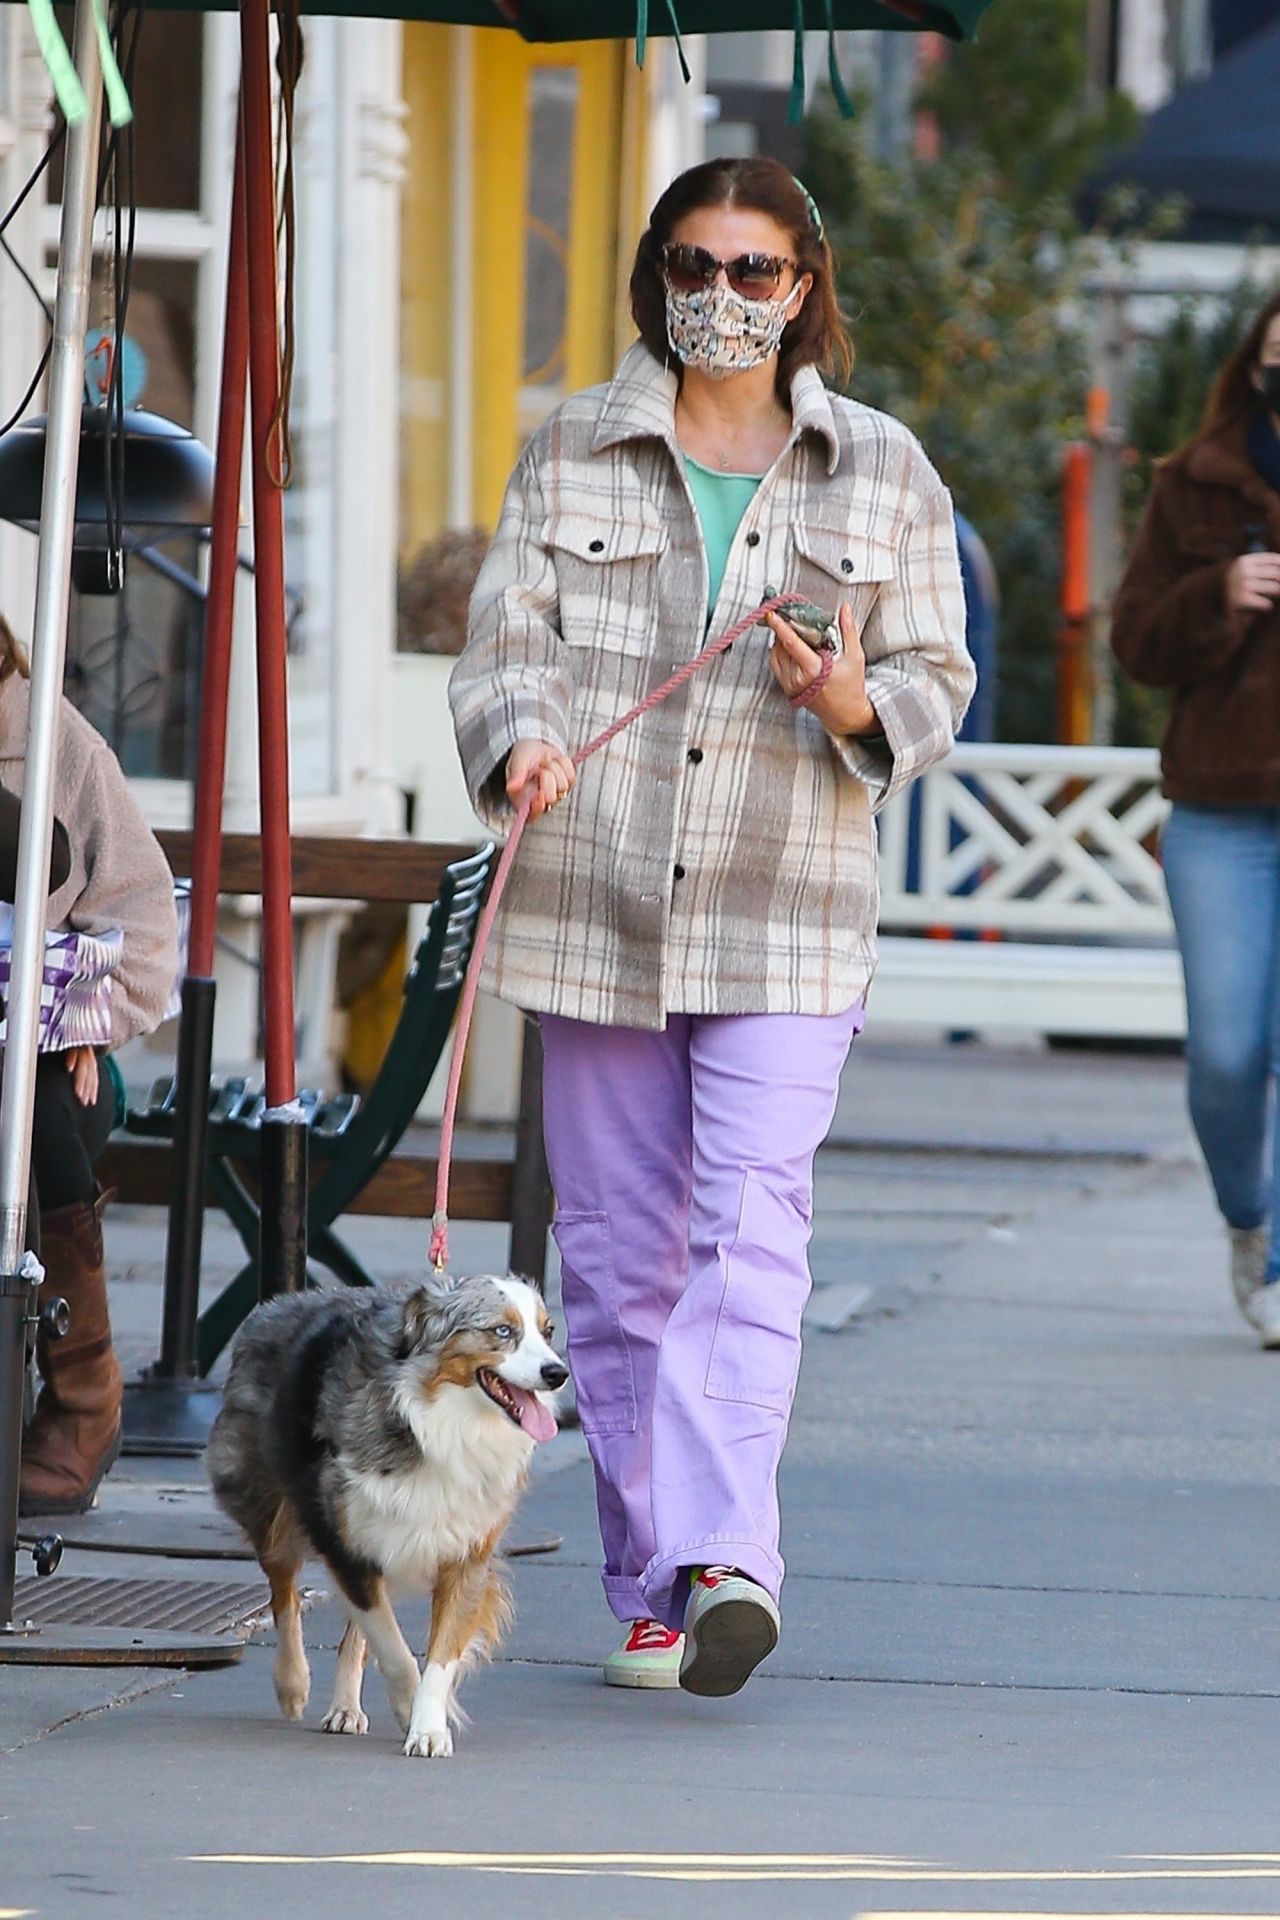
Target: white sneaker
x=648, y=1657
x=1266, y=1315
x=1249, y=1249
x=730, y=1626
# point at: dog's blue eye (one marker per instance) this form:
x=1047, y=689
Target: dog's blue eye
x=506, y=1331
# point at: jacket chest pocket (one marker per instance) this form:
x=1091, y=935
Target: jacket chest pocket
x=607, y=578
x=832, y=566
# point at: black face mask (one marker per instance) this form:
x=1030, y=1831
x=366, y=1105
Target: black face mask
x=1269, y=386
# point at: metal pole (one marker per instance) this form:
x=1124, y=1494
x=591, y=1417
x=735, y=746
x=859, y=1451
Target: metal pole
x=284, y=1138
x=186, y=1214
x=166, y=1412
x=48, y=652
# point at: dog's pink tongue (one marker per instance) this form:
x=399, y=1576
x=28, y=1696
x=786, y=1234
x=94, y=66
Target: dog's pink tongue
x=537, y=1420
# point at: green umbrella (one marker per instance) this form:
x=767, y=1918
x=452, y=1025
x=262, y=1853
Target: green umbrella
x=621, y=19
x=625, y=19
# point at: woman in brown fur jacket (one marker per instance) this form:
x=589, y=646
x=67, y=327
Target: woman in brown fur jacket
x=1198, y=613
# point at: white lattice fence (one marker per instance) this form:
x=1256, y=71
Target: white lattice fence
x=1050, y=853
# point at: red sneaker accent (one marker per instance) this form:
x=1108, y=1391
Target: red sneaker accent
x=650, y=1636
x=712, y=1576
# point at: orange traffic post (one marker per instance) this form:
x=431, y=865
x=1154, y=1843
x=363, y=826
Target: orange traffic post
x=1075, y=679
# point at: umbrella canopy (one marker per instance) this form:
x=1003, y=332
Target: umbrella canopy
x=621, y=19
x=1215, y=145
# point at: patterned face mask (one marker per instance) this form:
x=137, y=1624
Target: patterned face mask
x=720, y=332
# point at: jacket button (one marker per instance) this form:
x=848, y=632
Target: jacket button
x=846, y=566
x=695, y=756
x=679, y=871
x=753, y=538
x=597, y=546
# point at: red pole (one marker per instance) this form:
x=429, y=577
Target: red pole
x=268, y=542
x=215, y=680
x=282, y=1258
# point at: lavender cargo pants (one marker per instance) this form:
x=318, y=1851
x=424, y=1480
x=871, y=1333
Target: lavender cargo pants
x=683, y=1168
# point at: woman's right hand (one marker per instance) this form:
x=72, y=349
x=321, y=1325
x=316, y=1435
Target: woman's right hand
x=82, y=1065
x=555, y=770
x=1253, y=582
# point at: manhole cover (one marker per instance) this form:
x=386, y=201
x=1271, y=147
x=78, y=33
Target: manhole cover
x=169, y=1606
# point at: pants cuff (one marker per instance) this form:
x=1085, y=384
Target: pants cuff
x=622, y=1591
x=664, y=1583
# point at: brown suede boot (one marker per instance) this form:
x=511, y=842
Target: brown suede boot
x=74, y=1435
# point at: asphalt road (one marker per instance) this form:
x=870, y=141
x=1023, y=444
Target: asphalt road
x=1031, y=1646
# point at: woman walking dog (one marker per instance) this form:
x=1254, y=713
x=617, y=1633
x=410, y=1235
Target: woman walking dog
x=696, y=928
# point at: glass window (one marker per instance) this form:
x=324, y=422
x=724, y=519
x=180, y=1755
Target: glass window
x=167, y=80
x=133, y=658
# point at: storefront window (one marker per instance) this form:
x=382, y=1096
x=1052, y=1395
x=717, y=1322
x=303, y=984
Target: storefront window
x=133, y=659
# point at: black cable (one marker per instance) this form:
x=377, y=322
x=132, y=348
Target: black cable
x=18, y=267
x=6, y=222
x=30, y=393
x=122, y=150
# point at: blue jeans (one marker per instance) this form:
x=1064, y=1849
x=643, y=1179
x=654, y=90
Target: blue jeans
x=1222, y=867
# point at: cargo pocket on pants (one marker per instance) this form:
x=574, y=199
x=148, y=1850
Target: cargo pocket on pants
x=599, y=1357
x=755, y=1350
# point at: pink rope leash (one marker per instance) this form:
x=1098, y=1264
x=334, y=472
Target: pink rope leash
x=438, y=1253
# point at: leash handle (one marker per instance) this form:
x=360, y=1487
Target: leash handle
x=438, y=1250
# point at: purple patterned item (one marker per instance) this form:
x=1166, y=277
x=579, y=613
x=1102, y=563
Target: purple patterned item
x=75, y=994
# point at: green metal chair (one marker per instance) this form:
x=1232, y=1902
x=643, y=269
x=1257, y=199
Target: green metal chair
x=350, y=1138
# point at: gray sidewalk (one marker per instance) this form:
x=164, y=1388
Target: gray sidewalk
x=1031, y=1650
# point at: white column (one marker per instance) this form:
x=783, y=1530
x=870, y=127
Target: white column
x=24, y=133
x=372, y=143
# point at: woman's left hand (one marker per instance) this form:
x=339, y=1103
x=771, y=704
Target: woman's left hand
x=842, y=706
x=82, y=1065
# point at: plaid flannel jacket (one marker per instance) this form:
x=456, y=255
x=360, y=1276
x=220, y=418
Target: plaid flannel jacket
x=719, y=856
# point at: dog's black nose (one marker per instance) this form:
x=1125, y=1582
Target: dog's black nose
x=554, y=1374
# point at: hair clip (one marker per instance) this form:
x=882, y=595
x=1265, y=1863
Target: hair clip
x=812, y=205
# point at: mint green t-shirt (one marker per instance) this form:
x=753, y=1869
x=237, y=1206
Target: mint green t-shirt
x=721, y=500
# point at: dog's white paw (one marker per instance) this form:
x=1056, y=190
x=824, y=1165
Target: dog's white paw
x=292, y=1678
x=430, y=1744
x=293, y=1701
x=345, y=1720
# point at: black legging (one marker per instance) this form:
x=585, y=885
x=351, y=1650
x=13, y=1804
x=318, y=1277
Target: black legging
x=67, y=1138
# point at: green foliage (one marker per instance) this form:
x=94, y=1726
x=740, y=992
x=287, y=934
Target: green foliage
x=961, y=278
x=1020, y=97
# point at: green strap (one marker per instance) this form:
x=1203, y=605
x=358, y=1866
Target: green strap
x=675, y=32
x=795, y=103
x=67, y=87
x=642, y=33
x=119, y=106
x=57, y=58
x=838, y=92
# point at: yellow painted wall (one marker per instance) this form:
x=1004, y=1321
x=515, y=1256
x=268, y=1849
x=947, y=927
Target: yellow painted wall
x=603, y=227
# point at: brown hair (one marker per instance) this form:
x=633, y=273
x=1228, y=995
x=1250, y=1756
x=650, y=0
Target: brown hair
x=817, y=337
x=13, y=655
x=1233, y=395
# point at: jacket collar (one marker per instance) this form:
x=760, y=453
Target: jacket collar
x=1223, y=460
x=640, y=404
